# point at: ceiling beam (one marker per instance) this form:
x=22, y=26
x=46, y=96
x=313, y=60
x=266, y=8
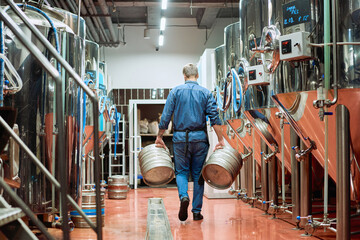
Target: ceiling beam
x=153, y=16
x=206, y=17
x=221, y=4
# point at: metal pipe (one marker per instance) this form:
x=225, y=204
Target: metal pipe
x=342, y=173
x=282, y=161
x=335, y=53
x=19, y=202
x=326, y=167
x=78, y=21
x=295, y=177
x=78, y=80
x=97, y=169
x=331, y=44
x=105, y=10
x=273, y=183
x=173, y=4
x=290, y=212
x=98, y=23
x=253, y=167
x=305, y=186
x=264, y=176
x=62, y=5
x=327, y=48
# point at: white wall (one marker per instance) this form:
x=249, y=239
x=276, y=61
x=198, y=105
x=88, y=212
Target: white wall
x=138, y=65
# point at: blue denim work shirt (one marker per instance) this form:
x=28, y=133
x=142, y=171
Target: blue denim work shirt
x=190, y=103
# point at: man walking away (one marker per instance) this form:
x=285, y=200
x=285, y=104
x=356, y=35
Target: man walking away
x=190, y=104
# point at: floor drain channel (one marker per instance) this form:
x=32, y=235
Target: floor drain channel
x=158, y=226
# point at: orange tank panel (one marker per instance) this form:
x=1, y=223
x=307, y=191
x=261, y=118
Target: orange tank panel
x=311, y=126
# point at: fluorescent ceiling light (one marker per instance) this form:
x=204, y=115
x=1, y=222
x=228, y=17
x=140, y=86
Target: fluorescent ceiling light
x=163, y=4
x=162, y=23
x=161, y=40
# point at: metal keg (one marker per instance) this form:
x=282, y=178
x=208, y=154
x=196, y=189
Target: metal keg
x=89, y=208
x=222, y=168
x=118, y=187
x=156, y=166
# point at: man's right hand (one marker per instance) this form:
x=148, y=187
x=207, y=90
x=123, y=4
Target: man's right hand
x=220, y=145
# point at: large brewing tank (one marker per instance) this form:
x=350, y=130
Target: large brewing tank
x=259, y=107
x=238, y=133
x=92, y=79
x=299, y=91
x=220, y=73
x=36, y=105
x=232, y=46
x=234, y=57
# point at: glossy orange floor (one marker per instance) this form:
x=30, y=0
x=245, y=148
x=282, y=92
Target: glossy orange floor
x=223, y=219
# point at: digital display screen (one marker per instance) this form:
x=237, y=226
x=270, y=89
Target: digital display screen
x=286, y=46
x=296, y=12
x=252, y=75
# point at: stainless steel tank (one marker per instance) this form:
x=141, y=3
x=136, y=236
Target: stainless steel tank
x=259, y=107
x=232, y=45
x=36, y=106
x=299, y=88
x=92, y=80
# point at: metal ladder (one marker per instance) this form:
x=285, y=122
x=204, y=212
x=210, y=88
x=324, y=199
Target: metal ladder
x=11, y=224
x=121, y=144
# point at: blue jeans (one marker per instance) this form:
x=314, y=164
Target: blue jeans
x=191, y=163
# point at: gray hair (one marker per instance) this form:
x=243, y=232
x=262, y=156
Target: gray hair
x=190, y=70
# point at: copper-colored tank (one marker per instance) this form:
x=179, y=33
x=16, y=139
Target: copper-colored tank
x=306, y=116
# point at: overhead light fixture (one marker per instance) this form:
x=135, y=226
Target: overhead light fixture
x=146, y=33
x=161, y=39
x=162, y=23
x=163, y=4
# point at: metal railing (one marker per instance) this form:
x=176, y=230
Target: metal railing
x=62, y=186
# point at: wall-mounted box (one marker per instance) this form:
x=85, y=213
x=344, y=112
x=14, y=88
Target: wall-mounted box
x=257, y=75
x=295, y=46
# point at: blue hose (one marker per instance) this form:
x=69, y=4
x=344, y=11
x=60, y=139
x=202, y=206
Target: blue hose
x=117, y=120
x=236, y=80
x=57, y=46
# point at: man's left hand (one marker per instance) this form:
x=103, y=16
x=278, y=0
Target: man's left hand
x=160, y=143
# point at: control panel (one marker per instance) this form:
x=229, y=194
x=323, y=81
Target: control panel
x=295, y=46
x=257, y=75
